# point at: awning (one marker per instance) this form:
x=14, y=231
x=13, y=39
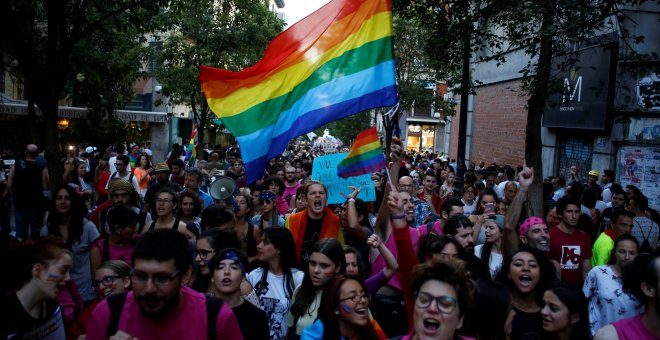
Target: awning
x=80, y=112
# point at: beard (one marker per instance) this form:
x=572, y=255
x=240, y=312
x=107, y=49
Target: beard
x=169, y=302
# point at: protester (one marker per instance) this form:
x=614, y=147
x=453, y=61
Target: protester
x=608, y=301
x=569, y=246
x=167, y=203
x=27, y=181
x=162, y=174
x=229, y=269
x=344, y=312
x=486, y=207
x=142, y=173
x=602, y=248
x=246, y=230
x=491, y=251
x=65, y=220
x=118, y=244
x=275, y=282
x=209, y=243
x=269, y=215
x=160, y=306
x=39, y=271
x=564, y=314
x=189, y=212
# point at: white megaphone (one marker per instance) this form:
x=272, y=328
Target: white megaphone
x=222, y=187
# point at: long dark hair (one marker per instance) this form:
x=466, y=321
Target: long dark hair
x=576, y=302
x=487, y=248
x=492, y=305
x=218, y=239
x=331, y=248
x=282, y=240
x=546, y=269
x=621, y=238
x=75, y=228
x=329, y=305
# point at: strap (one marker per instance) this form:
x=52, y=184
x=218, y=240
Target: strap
x=116, y=305
x=641, y=230
x=213, y=306
x=106, y=250
x=176, y=224
x=113, y=175
x=152, y=226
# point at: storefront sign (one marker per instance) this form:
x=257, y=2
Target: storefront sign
x=586, y=91
x=79, y=112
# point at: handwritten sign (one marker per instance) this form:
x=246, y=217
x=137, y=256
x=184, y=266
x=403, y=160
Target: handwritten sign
x=325, y=170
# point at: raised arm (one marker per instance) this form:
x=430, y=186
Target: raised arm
x=354, y=227
x=512, y=217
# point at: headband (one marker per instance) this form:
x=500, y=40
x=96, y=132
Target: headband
x=528, y=223
x=266, y=195
x=233, y=255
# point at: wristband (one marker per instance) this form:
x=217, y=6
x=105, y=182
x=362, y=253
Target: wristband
x=397, y=217
x=351, y=200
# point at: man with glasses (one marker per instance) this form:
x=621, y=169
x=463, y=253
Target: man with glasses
x=123, y=173
x=160, y=305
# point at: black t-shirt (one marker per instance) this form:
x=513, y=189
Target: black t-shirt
x=17, y=323
x=312, y=234
x=252, y=321
x=525, y=325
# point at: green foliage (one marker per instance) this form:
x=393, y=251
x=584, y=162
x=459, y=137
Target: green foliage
x=231, y=34
x=348, y=128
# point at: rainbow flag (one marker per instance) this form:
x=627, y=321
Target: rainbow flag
x=191, y=150
x=336, y=62
x=366, y=155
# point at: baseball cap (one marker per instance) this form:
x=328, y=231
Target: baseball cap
x=90, y=149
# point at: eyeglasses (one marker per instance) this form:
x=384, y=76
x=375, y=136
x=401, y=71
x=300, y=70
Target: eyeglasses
x=106, y=280
x=204, y=254
x=357, y=298
x=446, y=304
x=164, y=200
x=158, y=279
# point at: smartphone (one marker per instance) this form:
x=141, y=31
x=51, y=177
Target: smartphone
x=490, y=209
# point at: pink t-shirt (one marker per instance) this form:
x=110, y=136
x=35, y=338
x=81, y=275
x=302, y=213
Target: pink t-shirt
x=116, y=252
x=632, y=328
x=189, y=322
x=378, y=263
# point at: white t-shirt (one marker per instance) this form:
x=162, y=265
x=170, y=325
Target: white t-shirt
x=275, y=300
x=495, y=262
x=128, y=177
x=112, y=162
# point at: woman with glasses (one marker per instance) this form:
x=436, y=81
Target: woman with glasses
x=112, y=277
x=167, y=203
x=65, y=220
x=326, y=259
x=269, y=216
x=207, y=245
x=275, y=282
x=437, y=294
x=344, y=312
x=39, y=271
x=468, y=199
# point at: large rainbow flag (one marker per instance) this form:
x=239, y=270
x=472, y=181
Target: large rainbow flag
x=366, y=155
x=334, y=63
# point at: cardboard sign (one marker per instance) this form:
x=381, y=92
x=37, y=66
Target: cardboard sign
x=325, y=170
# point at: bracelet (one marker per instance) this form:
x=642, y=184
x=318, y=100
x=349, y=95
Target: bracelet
x=351, y=200
x=397, y=217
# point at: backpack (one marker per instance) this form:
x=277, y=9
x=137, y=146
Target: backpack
x=103, y=216
x=645, y=247
x=116, y=305
x=130, y=177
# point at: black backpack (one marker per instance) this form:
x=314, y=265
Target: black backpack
x=645, y=247
x=116, y=305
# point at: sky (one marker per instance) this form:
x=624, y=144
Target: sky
x=295, y=10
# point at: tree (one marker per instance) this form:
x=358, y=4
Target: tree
x=56, y=47
x=231, y=34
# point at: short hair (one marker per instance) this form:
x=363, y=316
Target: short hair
x=642, y=270
x=510, y=173
x=563, y=202
x=454, y=223
x=195, y=172
x=310, y=183
x=609, y=173
x=215, y=216
x=642, y=202
x=219, y=239
x=121, y=215
x=220, y=256
x=561, y=181
x=452, y=273
x=274, y=179
x=123, y=158
x=617, y=213
x=450, y=202
x=169, y=191
x=177, y=162
x=432, y=243
x=119, y=267
x=616, y=189
x=164, y=245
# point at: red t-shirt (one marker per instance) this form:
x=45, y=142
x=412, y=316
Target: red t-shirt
x=570, y=250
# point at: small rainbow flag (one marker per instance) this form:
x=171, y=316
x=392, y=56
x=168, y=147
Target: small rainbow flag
x=191, y=150
x=336, y=62
x=366, y=155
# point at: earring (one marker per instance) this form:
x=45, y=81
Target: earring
x=336, y=312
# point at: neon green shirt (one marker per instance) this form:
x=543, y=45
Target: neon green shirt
x=602, y=248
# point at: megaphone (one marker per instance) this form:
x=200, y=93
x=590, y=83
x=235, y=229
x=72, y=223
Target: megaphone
x=222, y=187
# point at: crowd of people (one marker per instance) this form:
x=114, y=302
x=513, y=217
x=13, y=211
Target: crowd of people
x=129, y=247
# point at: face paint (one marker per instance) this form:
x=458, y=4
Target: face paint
x=345, y=308
x=55, y=277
